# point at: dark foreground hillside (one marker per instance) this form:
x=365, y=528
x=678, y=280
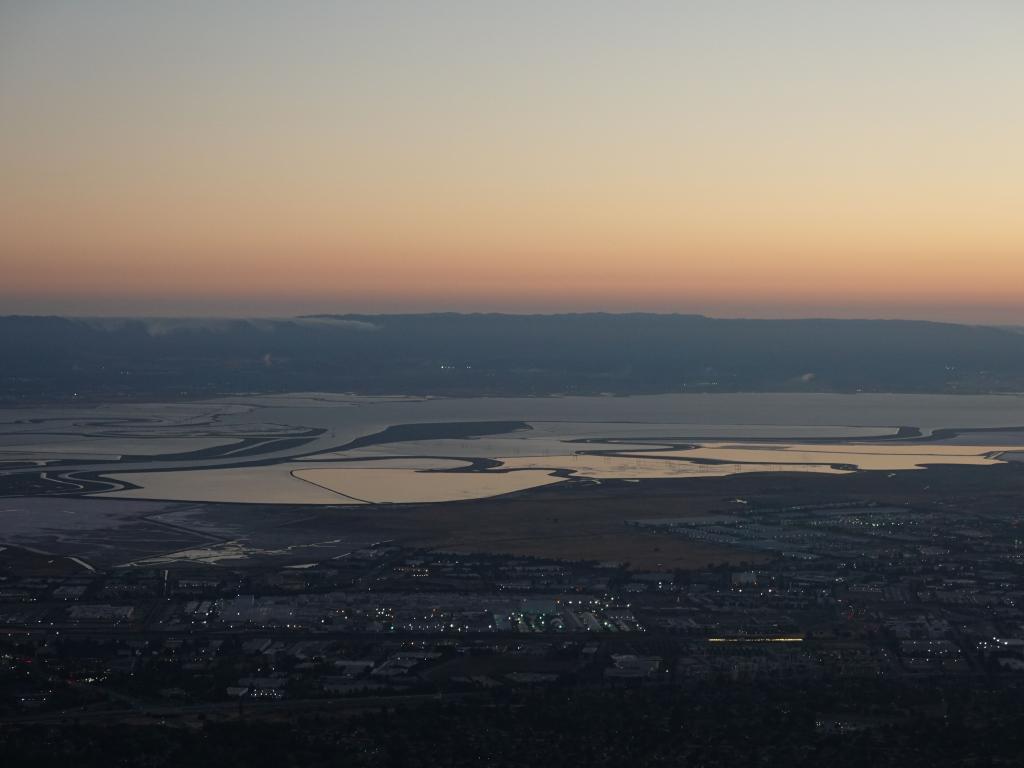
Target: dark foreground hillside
x=59, y=358
x=721, y=723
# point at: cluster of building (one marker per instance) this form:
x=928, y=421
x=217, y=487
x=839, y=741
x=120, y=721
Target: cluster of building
x=859, y=591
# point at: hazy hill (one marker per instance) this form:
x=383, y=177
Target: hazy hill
x=53, y=358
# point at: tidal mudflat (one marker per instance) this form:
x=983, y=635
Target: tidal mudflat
x=345, y=450
x=860, y=456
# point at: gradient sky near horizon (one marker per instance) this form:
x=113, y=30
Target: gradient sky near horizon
x=788, y=158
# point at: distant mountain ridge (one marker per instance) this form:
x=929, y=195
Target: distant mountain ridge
x=46, y=358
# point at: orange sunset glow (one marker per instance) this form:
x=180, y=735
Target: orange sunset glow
x=735, y=159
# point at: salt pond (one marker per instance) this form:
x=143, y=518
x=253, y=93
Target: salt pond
x=298, y=448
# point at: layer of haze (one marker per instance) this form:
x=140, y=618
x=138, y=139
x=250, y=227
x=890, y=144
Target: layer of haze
x=758, y=158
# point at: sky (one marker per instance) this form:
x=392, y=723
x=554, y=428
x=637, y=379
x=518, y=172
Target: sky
x=734, y=158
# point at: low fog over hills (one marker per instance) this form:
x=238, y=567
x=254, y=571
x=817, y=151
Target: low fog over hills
x=60, y=358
